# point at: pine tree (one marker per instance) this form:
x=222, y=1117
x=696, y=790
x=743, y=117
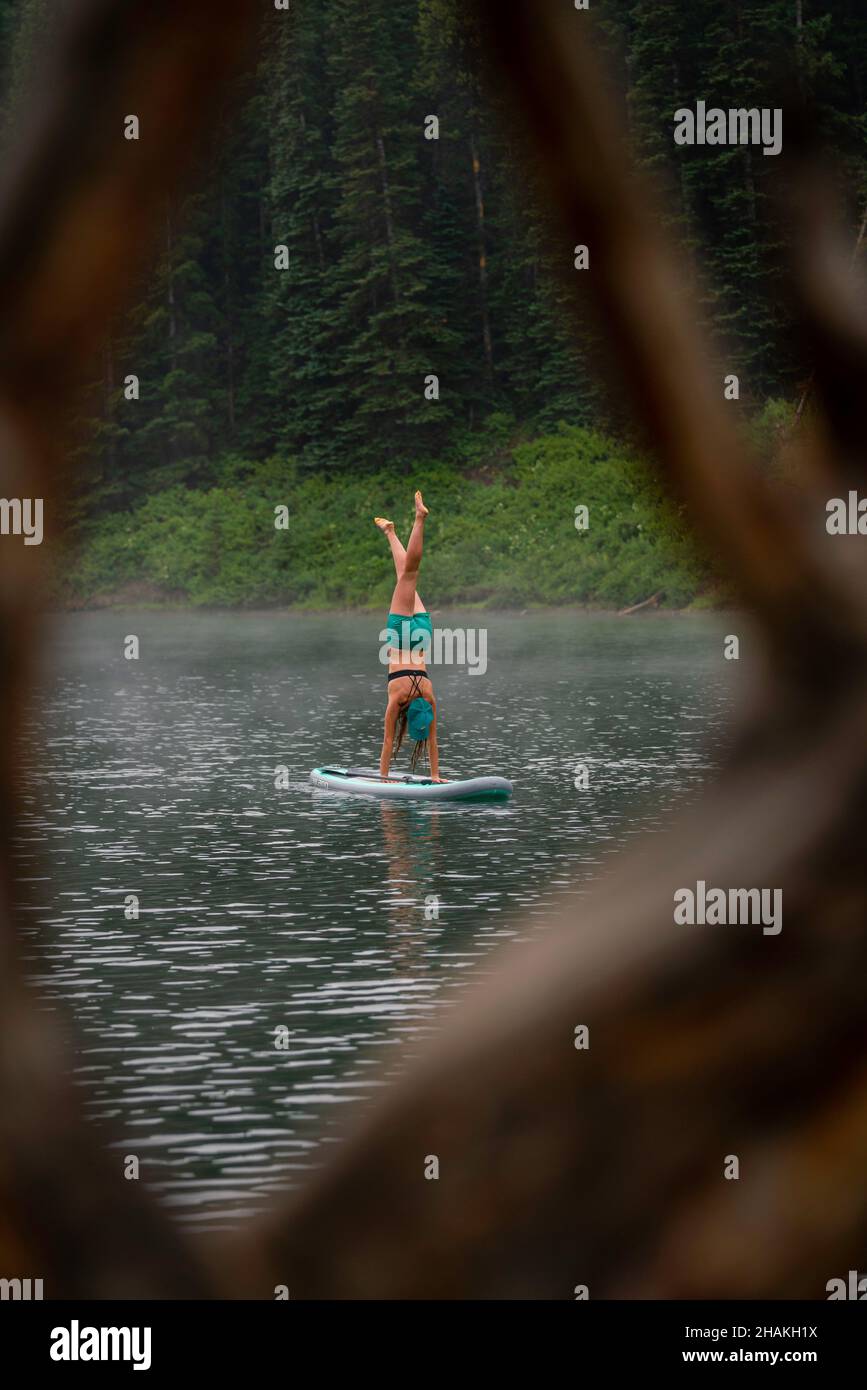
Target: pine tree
x=389, y=333
x=410, y=257
x=295, y=360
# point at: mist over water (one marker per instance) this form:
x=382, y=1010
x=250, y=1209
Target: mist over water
x=299, y=907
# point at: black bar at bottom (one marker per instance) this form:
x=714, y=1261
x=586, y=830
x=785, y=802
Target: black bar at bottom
x=227, y=1339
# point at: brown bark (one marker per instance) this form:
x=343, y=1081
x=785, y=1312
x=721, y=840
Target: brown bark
x=859, y=242
x=558, y=1166
x=78, y=206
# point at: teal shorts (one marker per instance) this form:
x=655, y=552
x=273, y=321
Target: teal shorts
x=415, y=633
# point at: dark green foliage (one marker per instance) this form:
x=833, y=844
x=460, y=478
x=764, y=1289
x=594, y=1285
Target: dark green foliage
x=410, y=257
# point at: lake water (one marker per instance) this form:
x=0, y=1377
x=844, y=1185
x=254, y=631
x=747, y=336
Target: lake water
x=263, y=909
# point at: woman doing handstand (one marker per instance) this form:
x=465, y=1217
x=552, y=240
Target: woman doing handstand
x=411, y=707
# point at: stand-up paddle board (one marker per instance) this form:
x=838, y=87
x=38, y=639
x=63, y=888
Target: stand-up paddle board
x=365, y=781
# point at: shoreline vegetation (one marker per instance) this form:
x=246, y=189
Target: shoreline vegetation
x=134, y=602
x=508, y=532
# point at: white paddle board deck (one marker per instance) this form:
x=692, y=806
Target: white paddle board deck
x=366, y=781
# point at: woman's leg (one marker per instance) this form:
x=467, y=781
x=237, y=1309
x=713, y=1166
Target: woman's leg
x=399, y=554
x=394, y=541
x=400, y=557
x=405, y=598
x=399, y=566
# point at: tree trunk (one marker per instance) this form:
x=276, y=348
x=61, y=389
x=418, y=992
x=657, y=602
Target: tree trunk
x=317, y=237
x=110, y=409
x=82, y=205
x=170, y=288
x=230, y=317
x=487, y=343
x=388, y=213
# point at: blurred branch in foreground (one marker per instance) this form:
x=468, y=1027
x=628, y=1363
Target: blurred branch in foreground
x=558, y=1166
x=81, y=208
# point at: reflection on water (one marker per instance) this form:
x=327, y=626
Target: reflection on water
x=339, y=919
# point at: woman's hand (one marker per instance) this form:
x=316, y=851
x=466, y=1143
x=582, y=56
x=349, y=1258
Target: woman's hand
x=388, y=738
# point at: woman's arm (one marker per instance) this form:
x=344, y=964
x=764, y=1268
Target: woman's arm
x=388, y=738
x=434, y=750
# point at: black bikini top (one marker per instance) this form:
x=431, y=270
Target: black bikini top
x=416, y=677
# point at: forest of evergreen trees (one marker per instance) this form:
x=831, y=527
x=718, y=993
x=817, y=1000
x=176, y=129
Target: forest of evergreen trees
x=409, y=256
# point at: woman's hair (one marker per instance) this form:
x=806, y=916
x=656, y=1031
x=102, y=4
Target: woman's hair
x=420, y=750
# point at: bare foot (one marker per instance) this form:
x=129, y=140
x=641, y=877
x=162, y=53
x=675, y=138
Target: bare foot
x=420, y=508
x=384, y=525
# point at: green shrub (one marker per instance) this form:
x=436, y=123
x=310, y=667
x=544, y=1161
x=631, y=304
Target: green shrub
x=506, y=538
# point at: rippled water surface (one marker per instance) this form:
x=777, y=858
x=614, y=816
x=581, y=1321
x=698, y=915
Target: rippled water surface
x=296, y=908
